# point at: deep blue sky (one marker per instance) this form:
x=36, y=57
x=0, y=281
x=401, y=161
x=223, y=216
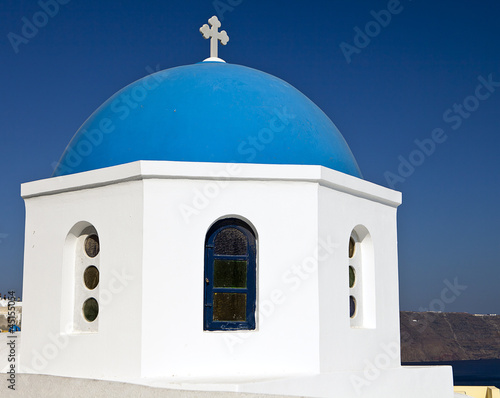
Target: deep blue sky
x=395, y=90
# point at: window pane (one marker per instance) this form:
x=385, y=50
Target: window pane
x=352, y=246
x=352, y=276
x=91, y=277
x=230, y=273
x=92, y=246
x=352, y=306
x=230, y=307
x=90, y=309
x=230, y=241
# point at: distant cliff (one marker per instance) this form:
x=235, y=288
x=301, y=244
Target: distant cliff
x=432, y=336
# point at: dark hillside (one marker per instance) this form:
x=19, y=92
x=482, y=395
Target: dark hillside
x=433, y=336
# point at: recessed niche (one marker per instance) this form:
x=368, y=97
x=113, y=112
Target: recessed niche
x=90, y=309
x=91, y=277
x=92, y=246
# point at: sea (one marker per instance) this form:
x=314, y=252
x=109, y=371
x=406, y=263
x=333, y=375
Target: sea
x=484, y=372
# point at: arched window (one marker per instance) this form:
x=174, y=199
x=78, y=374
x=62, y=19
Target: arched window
x=87, y=281
x=80, y=286
x=230, y=276
x=361, y=279
x=355, y=278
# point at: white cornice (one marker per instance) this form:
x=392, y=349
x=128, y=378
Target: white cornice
x=142, y=170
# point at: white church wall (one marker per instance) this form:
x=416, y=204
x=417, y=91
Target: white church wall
x=152, y=324
x=52, y=344
x=345, y=345
x=284, y=216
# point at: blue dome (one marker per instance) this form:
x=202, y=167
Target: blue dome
x=208, y=112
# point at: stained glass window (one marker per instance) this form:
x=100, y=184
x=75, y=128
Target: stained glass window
x=92, y=246
x=86, y=281
x=91, y=277
x=230, y=276
x=230, y=273
x=90, y=309
x=230, y=307
x=352, y=276
x=352, y=306
x=230, y=241
x=352, y=245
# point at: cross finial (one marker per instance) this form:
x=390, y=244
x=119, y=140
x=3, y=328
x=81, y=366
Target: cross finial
x=214, y=35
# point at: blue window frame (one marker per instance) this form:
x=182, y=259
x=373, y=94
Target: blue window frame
x=230, y=276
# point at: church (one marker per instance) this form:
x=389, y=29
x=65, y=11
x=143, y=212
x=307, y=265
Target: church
x=208, y=228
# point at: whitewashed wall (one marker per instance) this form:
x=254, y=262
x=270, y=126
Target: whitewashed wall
x=152, y=219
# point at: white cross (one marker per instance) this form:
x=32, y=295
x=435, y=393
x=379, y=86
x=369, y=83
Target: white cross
x=214, y=35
